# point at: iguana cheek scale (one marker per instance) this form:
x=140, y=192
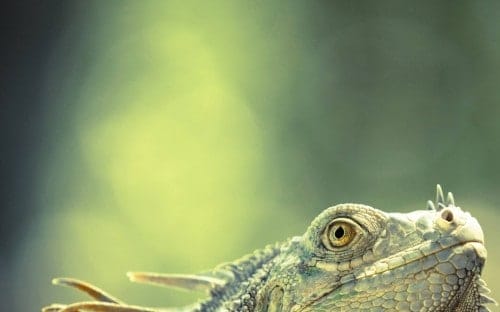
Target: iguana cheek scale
x=351, y=258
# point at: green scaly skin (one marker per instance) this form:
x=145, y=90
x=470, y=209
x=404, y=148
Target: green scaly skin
x=426, y=260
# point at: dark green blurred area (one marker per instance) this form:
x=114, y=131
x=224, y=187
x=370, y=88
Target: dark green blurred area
x=182, y=134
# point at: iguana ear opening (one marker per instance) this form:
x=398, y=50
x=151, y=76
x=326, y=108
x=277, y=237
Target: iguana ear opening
x=270, y=299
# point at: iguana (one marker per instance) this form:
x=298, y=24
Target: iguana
x=351, y=258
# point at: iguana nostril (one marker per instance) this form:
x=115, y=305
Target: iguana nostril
x=447, y=215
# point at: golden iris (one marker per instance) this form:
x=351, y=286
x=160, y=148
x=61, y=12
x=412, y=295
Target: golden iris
x=338, y=234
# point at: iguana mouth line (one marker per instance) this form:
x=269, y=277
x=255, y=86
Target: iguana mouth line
x=405, y=263
x=401, y=255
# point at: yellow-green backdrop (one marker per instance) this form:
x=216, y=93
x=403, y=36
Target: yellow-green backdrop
x=181, y=134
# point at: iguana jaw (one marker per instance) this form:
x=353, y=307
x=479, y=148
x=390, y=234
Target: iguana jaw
x=463, y=260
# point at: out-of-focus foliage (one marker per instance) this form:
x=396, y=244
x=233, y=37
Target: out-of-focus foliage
x=188, y=133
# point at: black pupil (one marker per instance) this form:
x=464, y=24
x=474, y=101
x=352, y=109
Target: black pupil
x=339, y=232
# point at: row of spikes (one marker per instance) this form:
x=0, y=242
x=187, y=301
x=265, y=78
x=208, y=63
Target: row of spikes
x=440, y=202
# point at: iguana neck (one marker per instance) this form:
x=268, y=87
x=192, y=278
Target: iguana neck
x=245, y=277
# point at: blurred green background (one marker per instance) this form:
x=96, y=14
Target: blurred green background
x=180, y=134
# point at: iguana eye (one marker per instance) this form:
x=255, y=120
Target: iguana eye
x=338, y=234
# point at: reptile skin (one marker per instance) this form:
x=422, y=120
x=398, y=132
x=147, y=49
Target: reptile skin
x=351, y=258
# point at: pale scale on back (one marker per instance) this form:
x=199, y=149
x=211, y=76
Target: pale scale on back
x=351, y=258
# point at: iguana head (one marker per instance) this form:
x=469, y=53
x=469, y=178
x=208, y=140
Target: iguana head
x=357, y=258
x=351, y=258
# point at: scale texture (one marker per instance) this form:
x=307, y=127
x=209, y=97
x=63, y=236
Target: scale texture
x=351, y=258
